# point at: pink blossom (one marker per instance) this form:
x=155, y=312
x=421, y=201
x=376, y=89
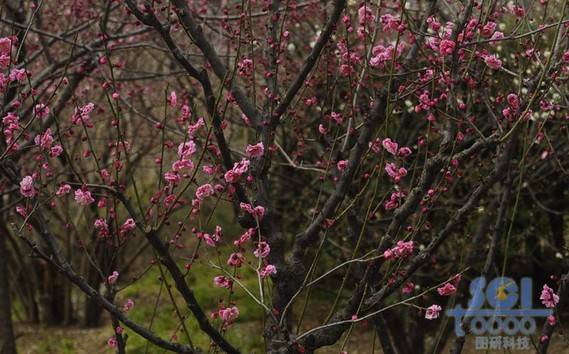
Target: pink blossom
x=222, y=282
x=239, y=168
x=256, y=150
x=446, y=47
x=211, y=240
x=18, y=75
x=229, y=314
x=112, y=342
x=235, y=259
x=394, y=200
x=342, y=165
x=391, y=23
x=102, y=227
x=408, y=288
x=565, y=56
x=82, y=115
x=394, y=172
x=112, y=279
x=493, y=62
x=128, y=225
x=268, y=270
x=55, y=150
x=173, y=100
x=245, y=67
x=4, y=63
x=405, y=151
x=519, y=11
x=172, y=177
x=22, y=211
x=186, y=150
x=246, y=236
x=44, y=140
x=256, y=212
x=337, y=117
x=433, y=312
x=551, y=320
x=496, y=37
x=128, y=305
x=262, y=250
x=488, y=29
x=182, y=164
x=193, y=128
x=27, y=187
x=63, y=190
x=434, y=24
x=83, y=197
x=204, y=191
x=446, y=290
x=548, y=297
x=365, y=14
x=41, y=110
x=390, y=146
x=375, y=145
x=5, y=46
x=513, y=101
x=383, y=55
x=401, y=250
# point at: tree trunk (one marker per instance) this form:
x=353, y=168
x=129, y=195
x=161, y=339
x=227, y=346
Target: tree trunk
x=7, y=339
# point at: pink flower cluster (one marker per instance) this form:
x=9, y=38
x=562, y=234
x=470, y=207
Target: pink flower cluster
x=366, y=19
x=383, y=55
x=548, y=297
x=82, y=115
x=513, y=107
x=394, y=200
x=102, y=227
x=256, y=150
x=446, y=290
x=267, y=270
x=11, y=123
x=245, y=67
x=229, y=314
x=239, y=168
x=257, y=212
x=433, y=312
x=112, y=279
x=83, y=196
x=262, y=250
x=401, y=250
x=211, y=239
x=5, y=50
x=41, y=111
x=395, y=173
x=27, y=187
x=393, y=148
x=222, y=282
x=492, y=62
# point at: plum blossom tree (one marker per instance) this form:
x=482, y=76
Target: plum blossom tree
x=382, y=150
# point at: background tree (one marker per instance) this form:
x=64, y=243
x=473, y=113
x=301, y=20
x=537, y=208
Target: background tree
x=330, y=165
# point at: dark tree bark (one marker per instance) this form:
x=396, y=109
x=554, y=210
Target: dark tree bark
x=7, y=339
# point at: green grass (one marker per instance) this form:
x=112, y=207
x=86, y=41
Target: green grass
x=57, y=345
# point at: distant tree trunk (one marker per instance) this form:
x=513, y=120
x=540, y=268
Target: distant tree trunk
x=93, y=310
x=26, y=279
x=7, y=339
x=52, y=297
